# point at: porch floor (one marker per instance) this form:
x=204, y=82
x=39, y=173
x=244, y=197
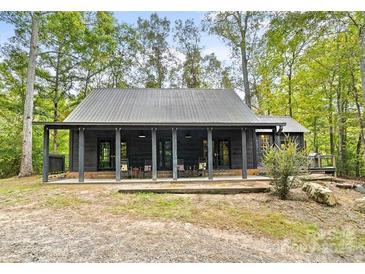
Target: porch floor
x=220, y=185
x=218, y=179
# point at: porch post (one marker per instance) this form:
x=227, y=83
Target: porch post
x=81, y=154
x=244, y=153
x=210, y=153
x=45, y=154
x=154, y=153
x=117, y=154
x=174, y=154
x=275, y=137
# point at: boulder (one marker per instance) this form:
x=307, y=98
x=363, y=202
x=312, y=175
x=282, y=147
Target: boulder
x=360, y=205
x=360, y=188
x=319, y=193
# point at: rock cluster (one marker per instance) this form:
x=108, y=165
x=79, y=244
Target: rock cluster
x=320, y=193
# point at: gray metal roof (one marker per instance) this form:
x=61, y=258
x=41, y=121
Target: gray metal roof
x=163, y=106
x=290, y=127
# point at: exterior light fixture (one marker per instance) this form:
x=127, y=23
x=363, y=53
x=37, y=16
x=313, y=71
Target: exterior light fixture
x=141, y=135
x=188, y=136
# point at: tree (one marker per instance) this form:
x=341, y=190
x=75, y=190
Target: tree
x=154, y=53
x=63, y=41
x=20, y=22
x=239, y=30
x=187, y=36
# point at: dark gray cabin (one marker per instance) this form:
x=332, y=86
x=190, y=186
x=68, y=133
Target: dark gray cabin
x=166, y=132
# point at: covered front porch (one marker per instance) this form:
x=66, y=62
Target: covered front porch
x=105, y=154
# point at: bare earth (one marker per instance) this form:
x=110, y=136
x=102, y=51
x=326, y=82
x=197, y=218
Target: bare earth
x=94, y=223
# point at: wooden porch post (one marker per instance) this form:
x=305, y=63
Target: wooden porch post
x=45, y=154
x=154, y=153
x=81, y=154
x=117, y=154
x=210, y=153
x=174, y=154
x=244, y=153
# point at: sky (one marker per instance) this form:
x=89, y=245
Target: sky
x=210, y=43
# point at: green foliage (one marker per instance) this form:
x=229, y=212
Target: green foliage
x=303, y=64
x=283, y=164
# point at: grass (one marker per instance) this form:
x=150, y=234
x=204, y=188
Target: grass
x=210, y=212
x=219, y=214
x=63, y=201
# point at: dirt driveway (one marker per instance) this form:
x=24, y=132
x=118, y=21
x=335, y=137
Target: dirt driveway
x=97, y=224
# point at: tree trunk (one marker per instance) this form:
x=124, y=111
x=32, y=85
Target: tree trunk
x=362, y=54
x=290, y=91
x=244, y=61
x=26, y=167
x=358, y=150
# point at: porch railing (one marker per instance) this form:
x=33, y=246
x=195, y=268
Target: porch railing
x=56, y=163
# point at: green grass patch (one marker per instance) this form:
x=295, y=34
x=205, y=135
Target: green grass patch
x=216, y=214
x=62, y=201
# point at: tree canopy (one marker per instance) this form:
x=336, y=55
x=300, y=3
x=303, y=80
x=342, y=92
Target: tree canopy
x=309, y=65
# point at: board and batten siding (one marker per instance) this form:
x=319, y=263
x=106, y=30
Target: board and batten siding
x=139, y=149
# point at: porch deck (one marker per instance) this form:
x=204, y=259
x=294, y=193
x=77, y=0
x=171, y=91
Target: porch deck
x=220, y=179
x=219, y=185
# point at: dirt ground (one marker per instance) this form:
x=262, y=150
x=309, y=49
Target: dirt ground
x=94, y=223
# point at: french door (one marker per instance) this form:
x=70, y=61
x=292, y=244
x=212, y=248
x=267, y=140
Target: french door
x=165, y=154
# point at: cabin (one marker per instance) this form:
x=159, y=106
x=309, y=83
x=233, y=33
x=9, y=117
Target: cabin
x=167, y=133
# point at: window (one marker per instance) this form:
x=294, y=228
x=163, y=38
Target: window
x=123, y=150
x=264, y=140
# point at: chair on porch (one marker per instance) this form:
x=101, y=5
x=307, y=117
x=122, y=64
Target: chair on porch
x=147, y=170
x=202, y=166
x=124, y=166
x=180, y=167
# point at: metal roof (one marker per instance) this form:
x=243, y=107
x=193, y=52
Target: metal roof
x=290, y=127
x=164, y=106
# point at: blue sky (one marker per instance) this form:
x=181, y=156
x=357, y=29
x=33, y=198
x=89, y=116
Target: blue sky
x=210, y=43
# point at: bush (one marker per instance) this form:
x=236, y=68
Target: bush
x=282, y=164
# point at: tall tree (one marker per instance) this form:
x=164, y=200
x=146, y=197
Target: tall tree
x=60, y=61
x=239, y=30
x=20, y=19
x=187, y=36
x=154, y=54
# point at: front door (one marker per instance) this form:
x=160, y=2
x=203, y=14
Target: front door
x=222, y=154
x=164, y=154
x=105, y=155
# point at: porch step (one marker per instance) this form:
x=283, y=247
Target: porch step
x=205, y=190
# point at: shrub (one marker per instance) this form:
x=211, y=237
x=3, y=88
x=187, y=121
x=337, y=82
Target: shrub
x=284, y=163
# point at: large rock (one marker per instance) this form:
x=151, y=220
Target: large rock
x=360, y=205
x=320, y=194
x=360, y=188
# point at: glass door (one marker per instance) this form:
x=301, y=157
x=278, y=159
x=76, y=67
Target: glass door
x=105, y=155
x=222, y=154
x=164, y=154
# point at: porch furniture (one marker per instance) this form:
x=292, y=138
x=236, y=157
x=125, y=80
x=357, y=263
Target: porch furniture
x=147, y=168
x=124, y=165
x=202, y=167
x=180, y=167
